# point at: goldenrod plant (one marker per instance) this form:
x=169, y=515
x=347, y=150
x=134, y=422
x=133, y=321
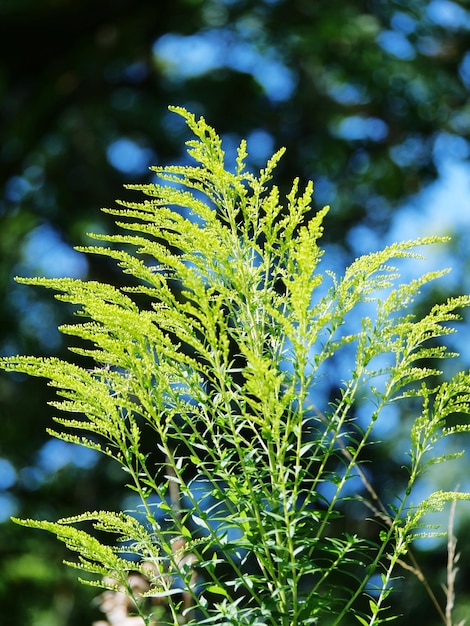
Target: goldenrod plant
x=215, y=352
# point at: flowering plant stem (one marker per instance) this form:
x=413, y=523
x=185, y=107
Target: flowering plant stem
x=216, y=350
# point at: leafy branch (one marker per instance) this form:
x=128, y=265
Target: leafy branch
x=215, y=348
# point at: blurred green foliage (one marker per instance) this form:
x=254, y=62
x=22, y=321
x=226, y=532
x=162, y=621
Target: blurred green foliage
x=362, y=95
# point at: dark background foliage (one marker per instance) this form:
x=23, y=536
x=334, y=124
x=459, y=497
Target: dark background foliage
x=369, y=97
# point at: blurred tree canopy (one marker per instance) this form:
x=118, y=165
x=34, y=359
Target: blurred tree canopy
x=367, y=96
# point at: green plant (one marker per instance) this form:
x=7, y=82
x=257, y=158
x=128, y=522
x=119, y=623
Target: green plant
x=215, y=351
